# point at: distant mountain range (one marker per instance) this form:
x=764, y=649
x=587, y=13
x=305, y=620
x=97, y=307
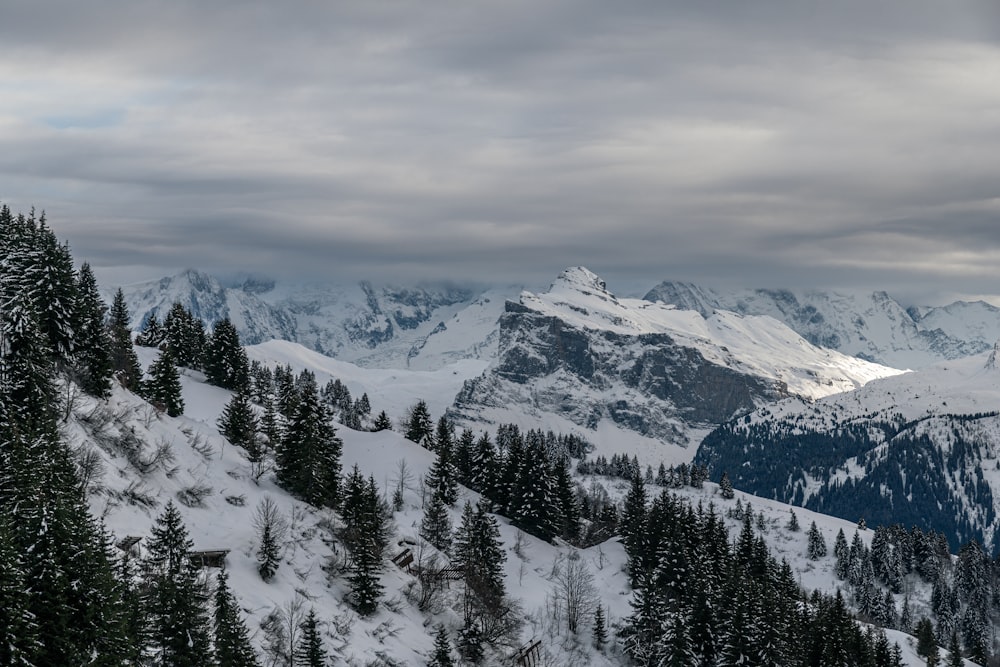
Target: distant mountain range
x=872, y=326
x=779, y=388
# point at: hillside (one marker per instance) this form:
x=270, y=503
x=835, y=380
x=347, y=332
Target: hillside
x=919, y=448
x=202, y=465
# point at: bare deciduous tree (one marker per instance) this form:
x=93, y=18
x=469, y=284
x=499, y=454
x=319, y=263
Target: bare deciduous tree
x=573, y=591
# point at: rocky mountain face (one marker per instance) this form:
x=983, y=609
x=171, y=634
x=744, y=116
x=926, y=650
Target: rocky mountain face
x=920, y=449
x=870, y=326
x=579, y=352
x=368, y=324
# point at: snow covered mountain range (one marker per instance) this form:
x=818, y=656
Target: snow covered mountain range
x=378, y=326
x=578, y=352
x=652, y=375
x=871, y=326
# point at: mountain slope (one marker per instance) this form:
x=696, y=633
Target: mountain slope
x=920, y=448
x=129, y=491
x=586, y=356
x=871, y=326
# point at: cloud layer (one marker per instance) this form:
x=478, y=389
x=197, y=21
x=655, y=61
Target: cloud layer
x=848, y=144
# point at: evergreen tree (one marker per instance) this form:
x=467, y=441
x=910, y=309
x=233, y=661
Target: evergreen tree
x=238, y=423
x=308, y=459
x=185, y=336
x=18, y=632
x=926, y=641
x=843, y=555
x=123, y=357
x=232, y=642
x=152, y=334
x=419, y=426
x=955, y=652
x=436, y=524
x=441, y=657
x=271, y=530
x=600, y=628
x=178, y=621
x=534, y=504
x=462, y=457
x=569, y=504
x=382, y=422
x=442, y=478
x=726, y=487
x=310, y=651
x=366, y=535
x=226, y=362
x=816, y=548
x=93, y=344
x=479, y=554
x=793, y=522
x=164, y=385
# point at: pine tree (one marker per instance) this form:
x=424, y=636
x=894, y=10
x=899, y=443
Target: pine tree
x=178, y=621
x=93, y=344
x=18, y=632
x=308, y=459
x=926, y=641
x=569, y=504
x=164, y=385
x=843, y=555
x=441, y=656
x=726, y=487
x=419, y=426
x=436, y=524
x=152, y=334
x=382, y=422
x=226, y=362
x=238, y=423
x=366, y=535
x=479, y=554
x=442, y=478
x=124, y=360
x=271, y=531
x=310, y=651
x=955, y=652
x=793, y=522
x=816, y=548
x=600, y=628
x=232, y=642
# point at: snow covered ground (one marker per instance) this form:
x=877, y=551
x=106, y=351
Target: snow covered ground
x=201, y=463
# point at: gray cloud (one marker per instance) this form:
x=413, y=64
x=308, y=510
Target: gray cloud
x=847, y=144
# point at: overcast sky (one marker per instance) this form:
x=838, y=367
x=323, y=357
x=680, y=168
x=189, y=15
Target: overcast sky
x=851, y=144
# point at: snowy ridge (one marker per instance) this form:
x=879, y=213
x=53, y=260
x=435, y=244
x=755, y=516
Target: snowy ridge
x=759, y=345
x=872, y=326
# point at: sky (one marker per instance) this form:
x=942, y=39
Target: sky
x=850, y=144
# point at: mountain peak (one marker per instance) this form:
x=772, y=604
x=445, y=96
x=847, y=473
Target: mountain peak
x=583, y=279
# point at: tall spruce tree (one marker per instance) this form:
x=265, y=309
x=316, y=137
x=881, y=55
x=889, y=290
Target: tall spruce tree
x=238, y=422
x=163, y=388
x=308, y=458
x=179, y=630
x=226, y=362
x=93, y=367
x=436, y=524
x=232, y=641
x=366, y=535
x=419, y=427
x=441, y=656
x=310, y=651
x=124, y=360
